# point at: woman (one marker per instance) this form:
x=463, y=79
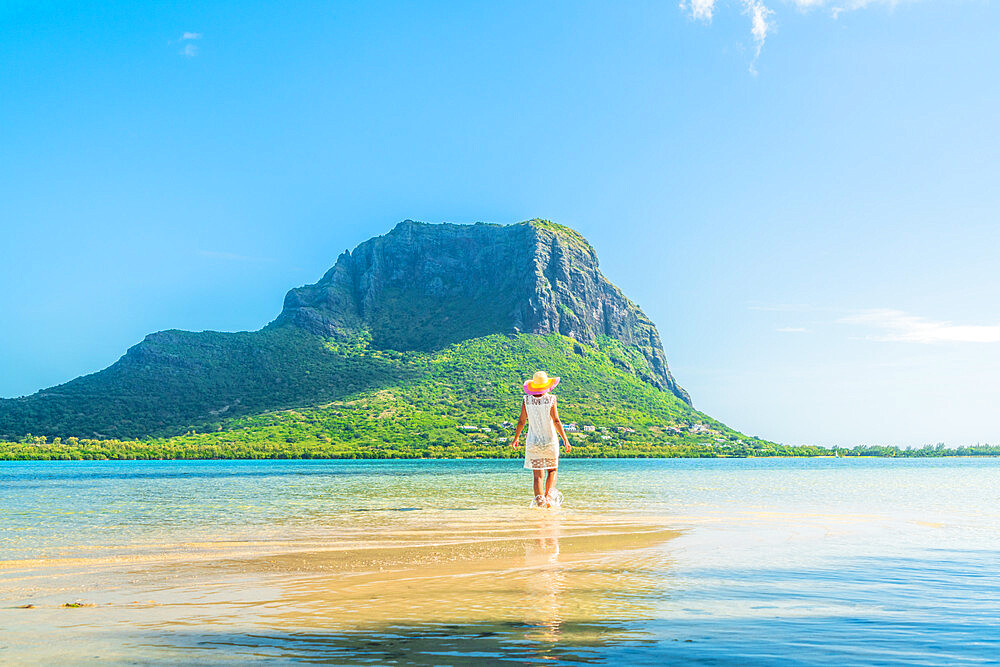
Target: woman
x=541, y=446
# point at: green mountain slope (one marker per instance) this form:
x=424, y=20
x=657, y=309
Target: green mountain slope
x=175, y=381
x=406, y=338
x=455, y=402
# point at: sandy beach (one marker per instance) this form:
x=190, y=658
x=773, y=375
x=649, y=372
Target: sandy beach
x=284, y=561
x=476, y=575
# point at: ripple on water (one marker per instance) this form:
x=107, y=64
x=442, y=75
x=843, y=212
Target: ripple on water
x=715, y=562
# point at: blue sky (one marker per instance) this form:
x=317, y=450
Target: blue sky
x=813, y=228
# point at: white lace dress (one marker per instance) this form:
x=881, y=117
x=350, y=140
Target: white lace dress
x=541, y=449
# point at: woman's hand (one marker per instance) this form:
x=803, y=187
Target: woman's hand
x=567, y=447
x=513, y=444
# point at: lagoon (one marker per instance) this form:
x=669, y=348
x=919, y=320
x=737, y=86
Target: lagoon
x=701, y=561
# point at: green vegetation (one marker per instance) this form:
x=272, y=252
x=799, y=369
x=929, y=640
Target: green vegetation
x=453, y=403
x=414, y=320
x=395, y=318
x=163, y=386
x=567, y=234
x=389, y=403
x=175, y=381
x=396, y=354
x=201, y=447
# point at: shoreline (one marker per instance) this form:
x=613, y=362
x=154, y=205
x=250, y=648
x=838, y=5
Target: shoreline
x=915, y=455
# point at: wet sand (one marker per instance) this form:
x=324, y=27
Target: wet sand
x=548, y=576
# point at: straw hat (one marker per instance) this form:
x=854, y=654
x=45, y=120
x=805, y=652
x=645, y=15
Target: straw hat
x=540, y=383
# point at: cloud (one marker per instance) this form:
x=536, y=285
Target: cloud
x=898, y=326
x=759, y=27
x=761, y=22
x=759, y=13
x=700, y=9
x=189, y=50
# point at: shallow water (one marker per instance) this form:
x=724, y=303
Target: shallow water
x=778, y=561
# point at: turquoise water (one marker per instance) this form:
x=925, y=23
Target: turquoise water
x=777, y=561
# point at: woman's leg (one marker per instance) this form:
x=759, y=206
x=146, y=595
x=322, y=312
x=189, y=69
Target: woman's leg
x=550, y=481
x=537, y=481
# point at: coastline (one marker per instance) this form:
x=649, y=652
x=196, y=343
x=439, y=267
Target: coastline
x=12, y=452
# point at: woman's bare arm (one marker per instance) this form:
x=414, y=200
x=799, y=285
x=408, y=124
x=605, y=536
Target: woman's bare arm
x=554, y=412
x=520, y=426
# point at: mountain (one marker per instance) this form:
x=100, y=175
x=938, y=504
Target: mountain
x=424, y=287
x=434, y=321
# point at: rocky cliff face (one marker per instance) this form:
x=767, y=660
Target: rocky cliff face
x=423, y=287
x=420, y=287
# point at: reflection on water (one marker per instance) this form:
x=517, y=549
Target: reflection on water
x=545, y=581
x=712, y=562
x=515, y=599
x=453, y=644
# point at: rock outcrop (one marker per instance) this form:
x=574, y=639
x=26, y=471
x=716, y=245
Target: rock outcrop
x=425, y=286
x=419, y=288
